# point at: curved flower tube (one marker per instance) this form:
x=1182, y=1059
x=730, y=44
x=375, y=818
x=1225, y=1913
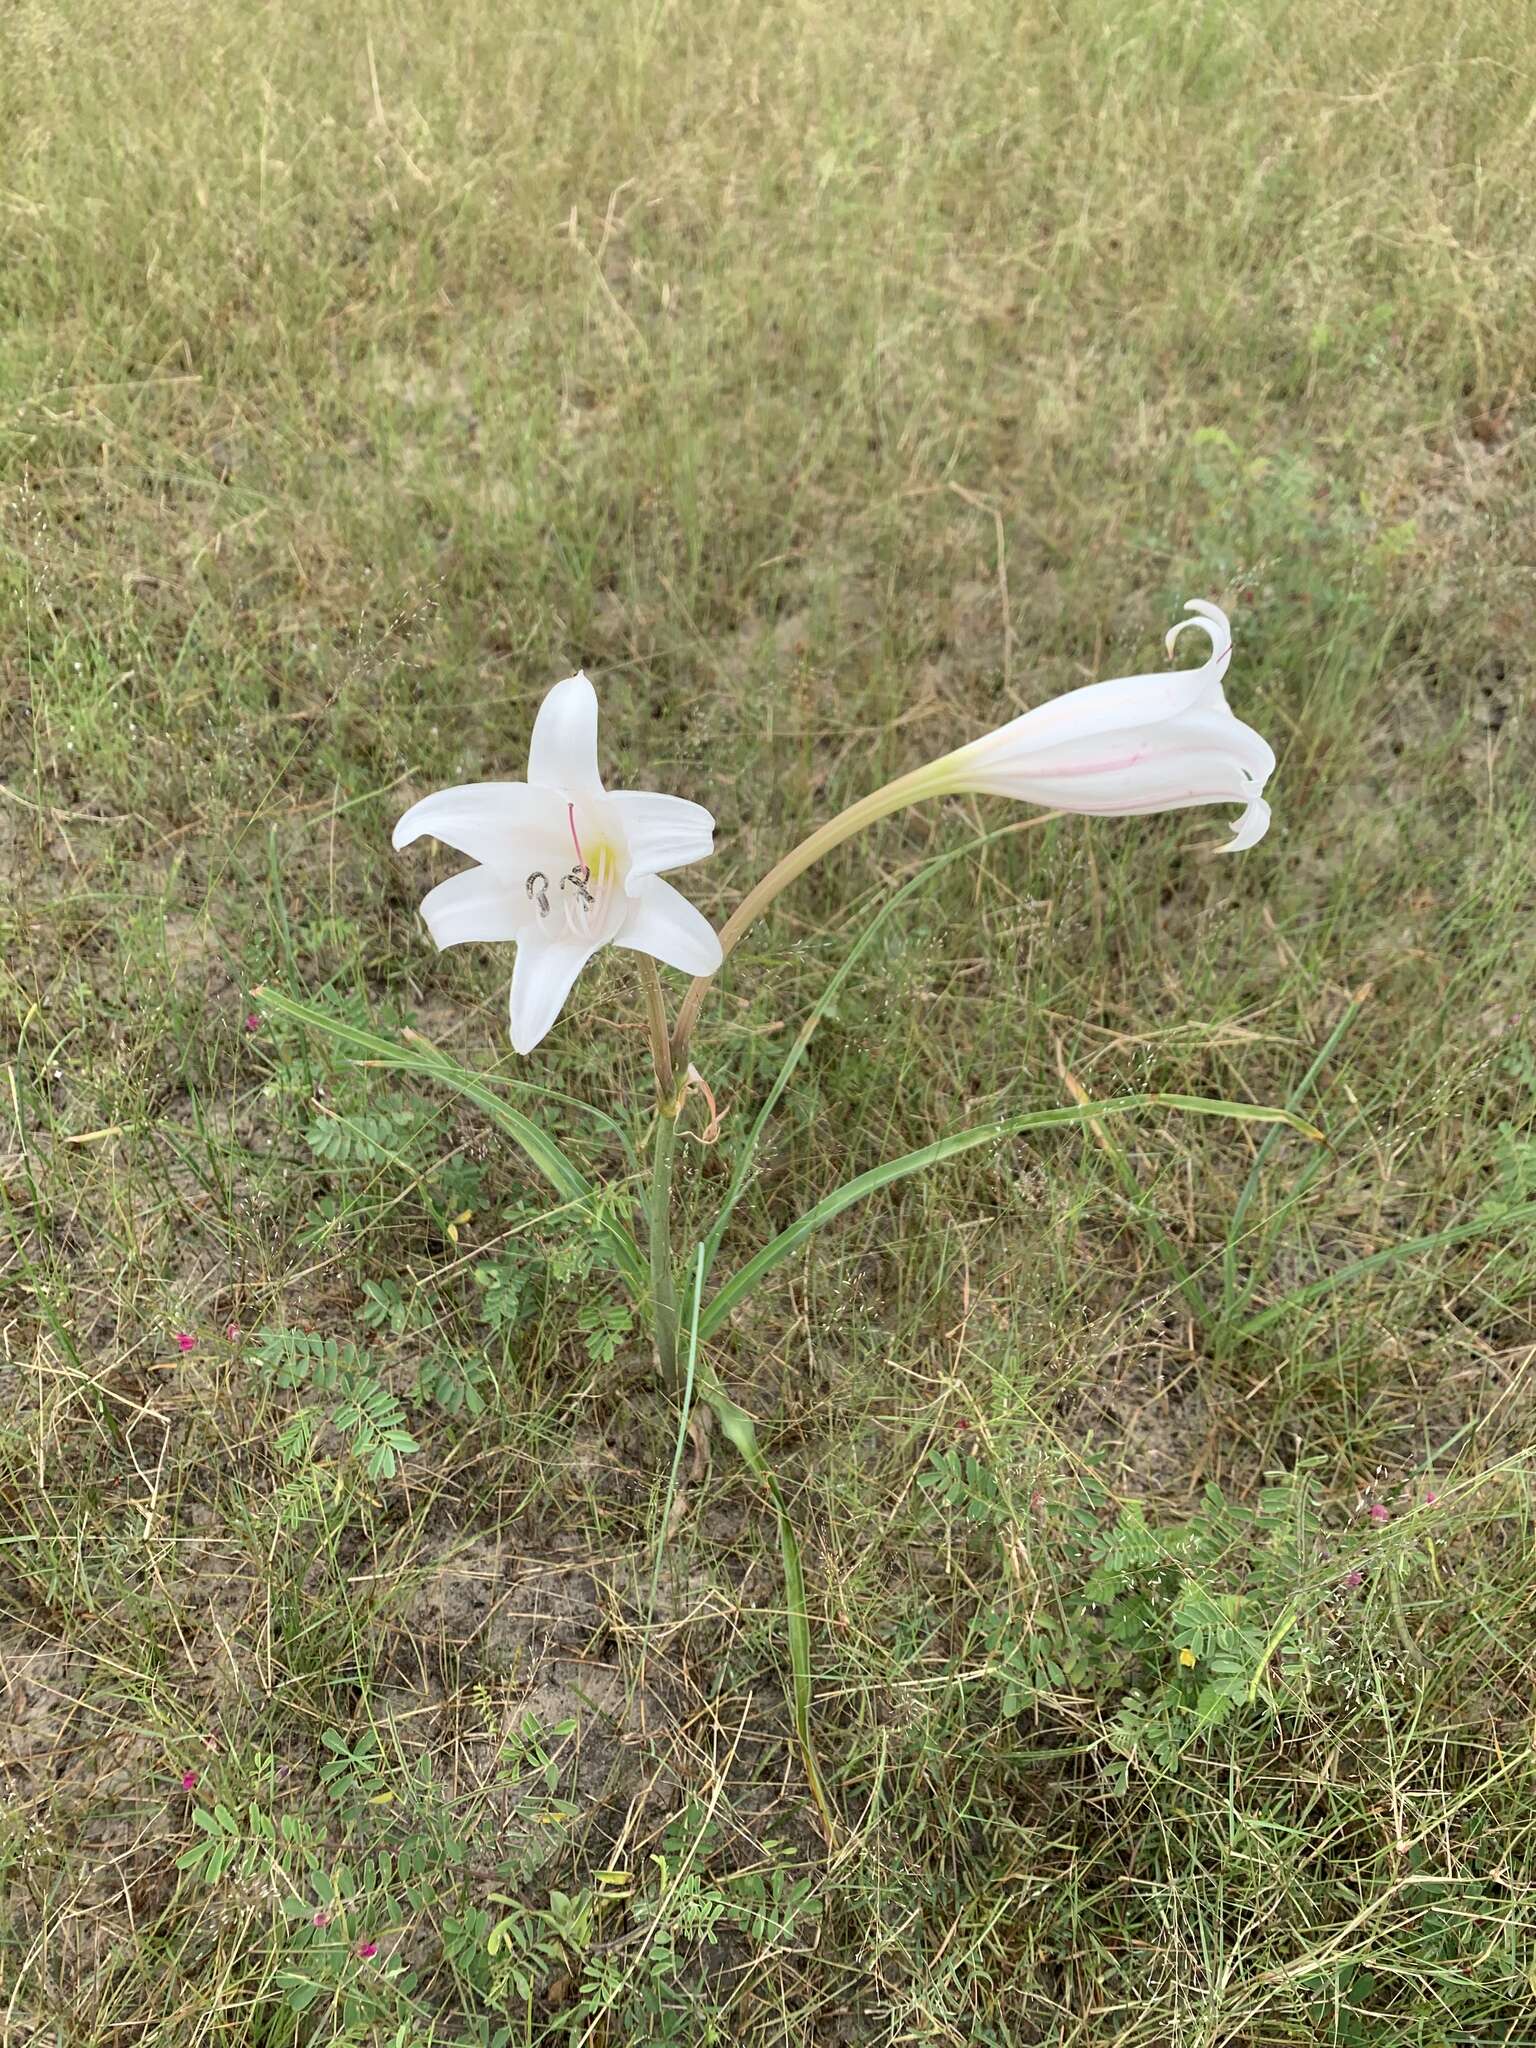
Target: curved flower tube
x=565, y=866
x=1138, y=744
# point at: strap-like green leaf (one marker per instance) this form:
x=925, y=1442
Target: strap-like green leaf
x=741, y=1283
x=415, y=1056
x=741, y=1432
x=886, y=910
x=1491, y=1225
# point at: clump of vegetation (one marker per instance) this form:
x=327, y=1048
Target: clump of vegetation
x=379, y=1661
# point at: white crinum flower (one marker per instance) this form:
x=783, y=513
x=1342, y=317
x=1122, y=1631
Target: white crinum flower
x=1141, y=743
x=565, y=865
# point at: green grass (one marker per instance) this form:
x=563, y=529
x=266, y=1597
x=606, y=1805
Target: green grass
x=830, y=383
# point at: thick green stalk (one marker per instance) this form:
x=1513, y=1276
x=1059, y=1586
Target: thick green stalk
x=906, y=789
x=656, y=1026
x=663, y=1283
x=944, y=777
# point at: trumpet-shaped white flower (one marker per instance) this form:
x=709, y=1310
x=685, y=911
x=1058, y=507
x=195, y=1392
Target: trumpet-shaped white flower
x=1141, y=743
x=565, y=866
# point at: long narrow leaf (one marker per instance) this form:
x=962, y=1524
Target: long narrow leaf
x=415, y=1056
x=1231, y=1300
x=823, y=1003
x=1458, y=1233
x=739, y=1431
x=742, y=1433
x=741, y=1283
x=1142, y=1209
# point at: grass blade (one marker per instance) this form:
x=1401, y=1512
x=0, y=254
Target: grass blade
x=741, y=1283
x=1458, y=1233
x=1140, y=1204
x=739, y=1427
x=412, y=1055
x=823, y=1003
x=1231, y=1300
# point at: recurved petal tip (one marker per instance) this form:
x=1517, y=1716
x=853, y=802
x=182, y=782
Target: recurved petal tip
x=1209, y=616
x=1249, y=829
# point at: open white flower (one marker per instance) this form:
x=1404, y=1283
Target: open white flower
x=1141, y=743
x=565, y=865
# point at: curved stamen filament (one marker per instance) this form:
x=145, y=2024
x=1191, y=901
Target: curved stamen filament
x=584, y=893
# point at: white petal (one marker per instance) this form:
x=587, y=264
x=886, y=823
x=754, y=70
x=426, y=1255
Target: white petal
x=661, y=832
x=562, y=755
x=1212, y=621
x=1219, y=730
x=542, y=976
x=490, y=821
x=665, y=924
x=1249, y=829
x=478, y=905
x=1108, y=707
x=1209, y=749
x=1165, y=770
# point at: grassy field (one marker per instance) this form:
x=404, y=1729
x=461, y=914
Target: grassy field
x=831, y=383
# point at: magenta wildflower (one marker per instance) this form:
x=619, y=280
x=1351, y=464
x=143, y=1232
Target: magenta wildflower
x=1379, y=1512
x=188, y=1781
x=367, y=1950
x=232, y=1333
x=1353, y=1579
x=252, y=1020
x=184, y=1342
x=1430, y=1499
x=320, y=1917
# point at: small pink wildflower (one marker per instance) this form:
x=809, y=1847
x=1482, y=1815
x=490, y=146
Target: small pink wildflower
x=1430, y=1499
x=320, y=1917
x=1353, y=1579
x=185, y=1342
x=367, y=1950
x=232, y=1333
x=1380, y=1512
x=188, y=1781
x=252, y=1020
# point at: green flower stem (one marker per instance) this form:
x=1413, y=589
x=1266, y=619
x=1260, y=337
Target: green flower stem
x=669, y=1103
x=656, y=1026
x=663, y=1282
x=906, y=789
x=936, y=778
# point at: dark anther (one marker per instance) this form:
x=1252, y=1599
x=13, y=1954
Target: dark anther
x=578, y=879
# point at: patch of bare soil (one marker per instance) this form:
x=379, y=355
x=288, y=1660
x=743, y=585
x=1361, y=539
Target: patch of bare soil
x=85, y=1798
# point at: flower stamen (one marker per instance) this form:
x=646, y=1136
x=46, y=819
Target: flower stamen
x=578, y=879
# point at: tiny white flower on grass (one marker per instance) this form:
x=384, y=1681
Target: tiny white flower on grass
x=1141, y=743
x=566, y=866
